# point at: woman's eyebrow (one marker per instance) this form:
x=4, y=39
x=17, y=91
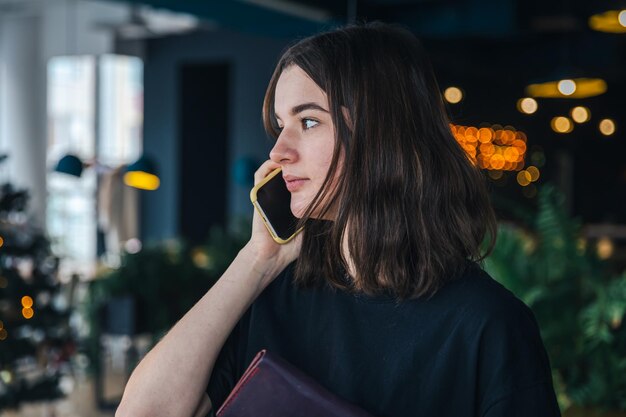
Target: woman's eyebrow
x=307, y=106
x=304, y=106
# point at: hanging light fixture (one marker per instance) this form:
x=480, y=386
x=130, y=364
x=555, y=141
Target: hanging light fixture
x=142, y=174
x=610, y=21
x=567, y=83
x=70, y=164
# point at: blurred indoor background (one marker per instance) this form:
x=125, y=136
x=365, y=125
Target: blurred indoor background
x=130, y=131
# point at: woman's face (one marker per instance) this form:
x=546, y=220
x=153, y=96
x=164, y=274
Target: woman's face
x=305, y=145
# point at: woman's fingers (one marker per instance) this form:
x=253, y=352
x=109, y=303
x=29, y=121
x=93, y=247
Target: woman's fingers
x=264, y=170
x=261, y=238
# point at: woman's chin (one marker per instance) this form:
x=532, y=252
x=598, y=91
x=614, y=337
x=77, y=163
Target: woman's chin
x=297, y=211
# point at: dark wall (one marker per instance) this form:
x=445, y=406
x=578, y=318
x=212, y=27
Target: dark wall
x=169, y=211
x=493, y=73
x=203, y=122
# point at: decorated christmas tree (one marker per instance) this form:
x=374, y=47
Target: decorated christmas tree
x=35, y=337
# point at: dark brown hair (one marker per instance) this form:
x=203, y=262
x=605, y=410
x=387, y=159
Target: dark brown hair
x=417, y=207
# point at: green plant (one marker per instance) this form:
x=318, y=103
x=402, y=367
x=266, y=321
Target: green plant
x=579, y=306
x=164, y=281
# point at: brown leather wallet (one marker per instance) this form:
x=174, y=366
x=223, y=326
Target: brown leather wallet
x=272, y=387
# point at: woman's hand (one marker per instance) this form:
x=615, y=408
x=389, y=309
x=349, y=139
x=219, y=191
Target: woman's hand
x=269, y=255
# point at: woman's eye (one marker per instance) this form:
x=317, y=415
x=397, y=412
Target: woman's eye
x=309, y=123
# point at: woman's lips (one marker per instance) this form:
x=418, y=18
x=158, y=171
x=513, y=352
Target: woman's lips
x=294, y=183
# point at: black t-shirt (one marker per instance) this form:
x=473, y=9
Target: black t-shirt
x=473, y=349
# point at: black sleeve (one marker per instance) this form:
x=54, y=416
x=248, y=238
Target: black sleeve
x=228, y=366
x=514, y=375
x=537, y=400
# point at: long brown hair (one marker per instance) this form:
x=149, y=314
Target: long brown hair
x=417, y=207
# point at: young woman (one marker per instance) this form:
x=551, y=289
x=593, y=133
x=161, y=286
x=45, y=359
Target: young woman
x=380, y=299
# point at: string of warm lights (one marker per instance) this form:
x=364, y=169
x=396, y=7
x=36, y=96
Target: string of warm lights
x=493, y=147
x=498, y=149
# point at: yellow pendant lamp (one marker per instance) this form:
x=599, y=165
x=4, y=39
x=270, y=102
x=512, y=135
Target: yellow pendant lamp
x=610, y=21
x=567, y=83
x=142, y=174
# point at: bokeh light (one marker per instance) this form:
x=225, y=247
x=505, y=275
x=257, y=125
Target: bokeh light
x=497, y=161
x=605, y=248
x=534, y=173
x=527, y=105
x=453, y=95
x=561, y=124
x=523, y=178
x=492, y=147
x=200, y=258
x=611, y=21
x=485, y=134
x=567, y=87
x=28, y=313
x=580, y=114
x=6, y=376
x=133, y=245
x=27, y=302
x=607, y=127
x=570, y=89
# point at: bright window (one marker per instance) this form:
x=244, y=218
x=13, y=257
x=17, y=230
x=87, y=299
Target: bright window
x=77, y=110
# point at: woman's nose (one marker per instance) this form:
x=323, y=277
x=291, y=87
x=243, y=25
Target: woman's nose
x=283, y=152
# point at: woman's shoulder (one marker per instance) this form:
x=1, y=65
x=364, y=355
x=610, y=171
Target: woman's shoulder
x=477, y=295
x=514, y=367
x=473, y=296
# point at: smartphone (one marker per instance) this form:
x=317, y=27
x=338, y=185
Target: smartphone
x=272, y=201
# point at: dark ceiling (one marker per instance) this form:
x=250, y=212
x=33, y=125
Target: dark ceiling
x=492, y=49
x=554, y=33
x=436, y=17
